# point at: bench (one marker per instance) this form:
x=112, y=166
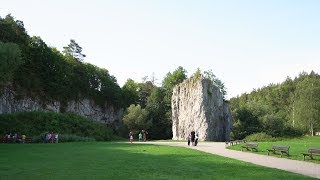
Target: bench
x=235, y=142
x=282, y=149
x=311, y=152
x=250, y=145
x=28, y=140
x=10, y=140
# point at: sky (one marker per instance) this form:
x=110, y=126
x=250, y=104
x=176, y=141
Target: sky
x=247, y=44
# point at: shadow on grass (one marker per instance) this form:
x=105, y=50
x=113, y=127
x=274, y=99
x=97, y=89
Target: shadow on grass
x=129, y=161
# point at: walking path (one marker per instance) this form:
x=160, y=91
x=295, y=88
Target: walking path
x=218, y=148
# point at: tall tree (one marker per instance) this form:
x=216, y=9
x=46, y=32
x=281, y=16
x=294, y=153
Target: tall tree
x=136, y=118
x=10, y=60
x=307, y=106
x=74, y=50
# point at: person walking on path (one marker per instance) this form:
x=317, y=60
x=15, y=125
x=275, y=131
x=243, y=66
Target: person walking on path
x=140, y=136
x=131, y=136
x=189, y=139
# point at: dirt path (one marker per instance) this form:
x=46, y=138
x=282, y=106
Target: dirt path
x=301, y=167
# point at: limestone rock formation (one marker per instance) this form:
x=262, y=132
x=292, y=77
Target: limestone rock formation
x=85, y=107
x=198, y=105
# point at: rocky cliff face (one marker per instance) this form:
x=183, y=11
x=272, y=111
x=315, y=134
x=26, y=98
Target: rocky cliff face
x=197, y=105
x=85, y=107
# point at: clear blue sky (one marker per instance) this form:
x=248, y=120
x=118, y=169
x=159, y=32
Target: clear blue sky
x=247, y=43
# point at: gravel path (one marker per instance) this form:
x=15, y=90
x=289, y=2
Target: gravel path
x=300, y=167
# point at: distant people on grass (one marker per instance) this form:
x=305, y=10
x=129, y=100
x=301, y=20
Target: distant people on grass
x=140, y=136
x=193, y=135
x=23, y=138
x=189, y=139
x=131, y=136
x=56, y=138
x=196, y=139
x=144, y=135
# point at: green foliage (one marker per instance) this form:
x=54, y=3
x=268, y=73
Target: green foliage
x=209, y=74
x=74, y=50
x=97, y=160
x=281, y=110
x=260, y=137
x=158, y=114
x=307, y=104
x=49, y=75
x=131, y=92
x=10, y=60
x=64, y=138
x=174, y=78
x=35, y=123
x=136, y=118
x=297, y=146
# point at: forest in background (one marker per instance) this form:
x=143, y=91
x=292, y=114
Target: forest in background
x=289, y=109
x=32, y=69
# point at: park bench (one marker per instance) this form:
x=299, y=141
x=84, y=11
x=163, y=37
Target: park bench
x=28, y=140
x=10, y=140
x=235, y=142
x=282, y=149
x=250, y=145
x=311, y=152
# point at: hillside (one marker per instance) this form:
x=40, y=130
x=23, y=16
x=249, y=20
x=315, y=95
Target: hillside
x=285, y=109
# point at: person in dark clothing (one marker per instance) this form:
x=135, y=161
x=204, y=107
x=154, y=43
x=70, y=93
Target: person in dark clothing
x=196, y=139
x=193, y=137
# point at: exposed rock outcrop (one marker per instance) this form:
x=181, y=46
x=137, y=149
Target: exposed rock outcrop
x=85, y=107
x=198, y=105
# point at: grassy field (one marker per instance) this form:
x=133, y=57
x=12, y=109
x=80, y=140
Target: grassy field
x=102, y=160
x=297, y=146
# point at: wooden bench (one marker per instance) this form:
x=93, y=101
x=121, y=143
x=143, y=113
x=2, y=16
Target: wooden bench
x=282, y=149
x=10, y=140
x=235, y=142
x=250, y=145
x=311, y=152
x=28, y=140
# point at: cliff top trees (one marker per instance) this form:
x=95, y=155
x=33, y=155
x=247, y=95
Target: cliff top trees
x=10, y=60
x=74, y=50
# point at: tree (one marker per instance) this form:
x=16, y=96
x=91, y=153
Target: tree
x=174, y=78
x=307, y=106
x=74, y=50
x=209, y=74
x=131, y=92
x=10, y=60
x=158, y=114
x=136, y=118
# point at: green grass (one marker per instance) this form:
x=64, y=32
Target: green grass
x=109, y=160
x=297, y=146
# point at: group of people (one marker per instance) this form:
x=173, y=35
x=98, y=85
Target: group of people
x=142, y=136
x=51, y=137
x=193, y=138
x=15, y=138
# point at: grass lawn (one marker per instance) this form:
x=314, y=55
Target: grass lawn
x=108, y=160
x=297, y=146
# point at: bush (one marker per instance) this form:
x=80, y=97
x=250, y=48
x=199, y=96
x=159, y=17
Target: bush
x=35, y=123
x=260, y=137
x=292, y=132
x=63, y=138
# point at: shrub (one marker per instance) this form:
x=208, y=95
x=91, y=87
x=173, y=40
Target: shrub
x=64, y=138
x=292, y=132
x=260, y=137
x=35, y=123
